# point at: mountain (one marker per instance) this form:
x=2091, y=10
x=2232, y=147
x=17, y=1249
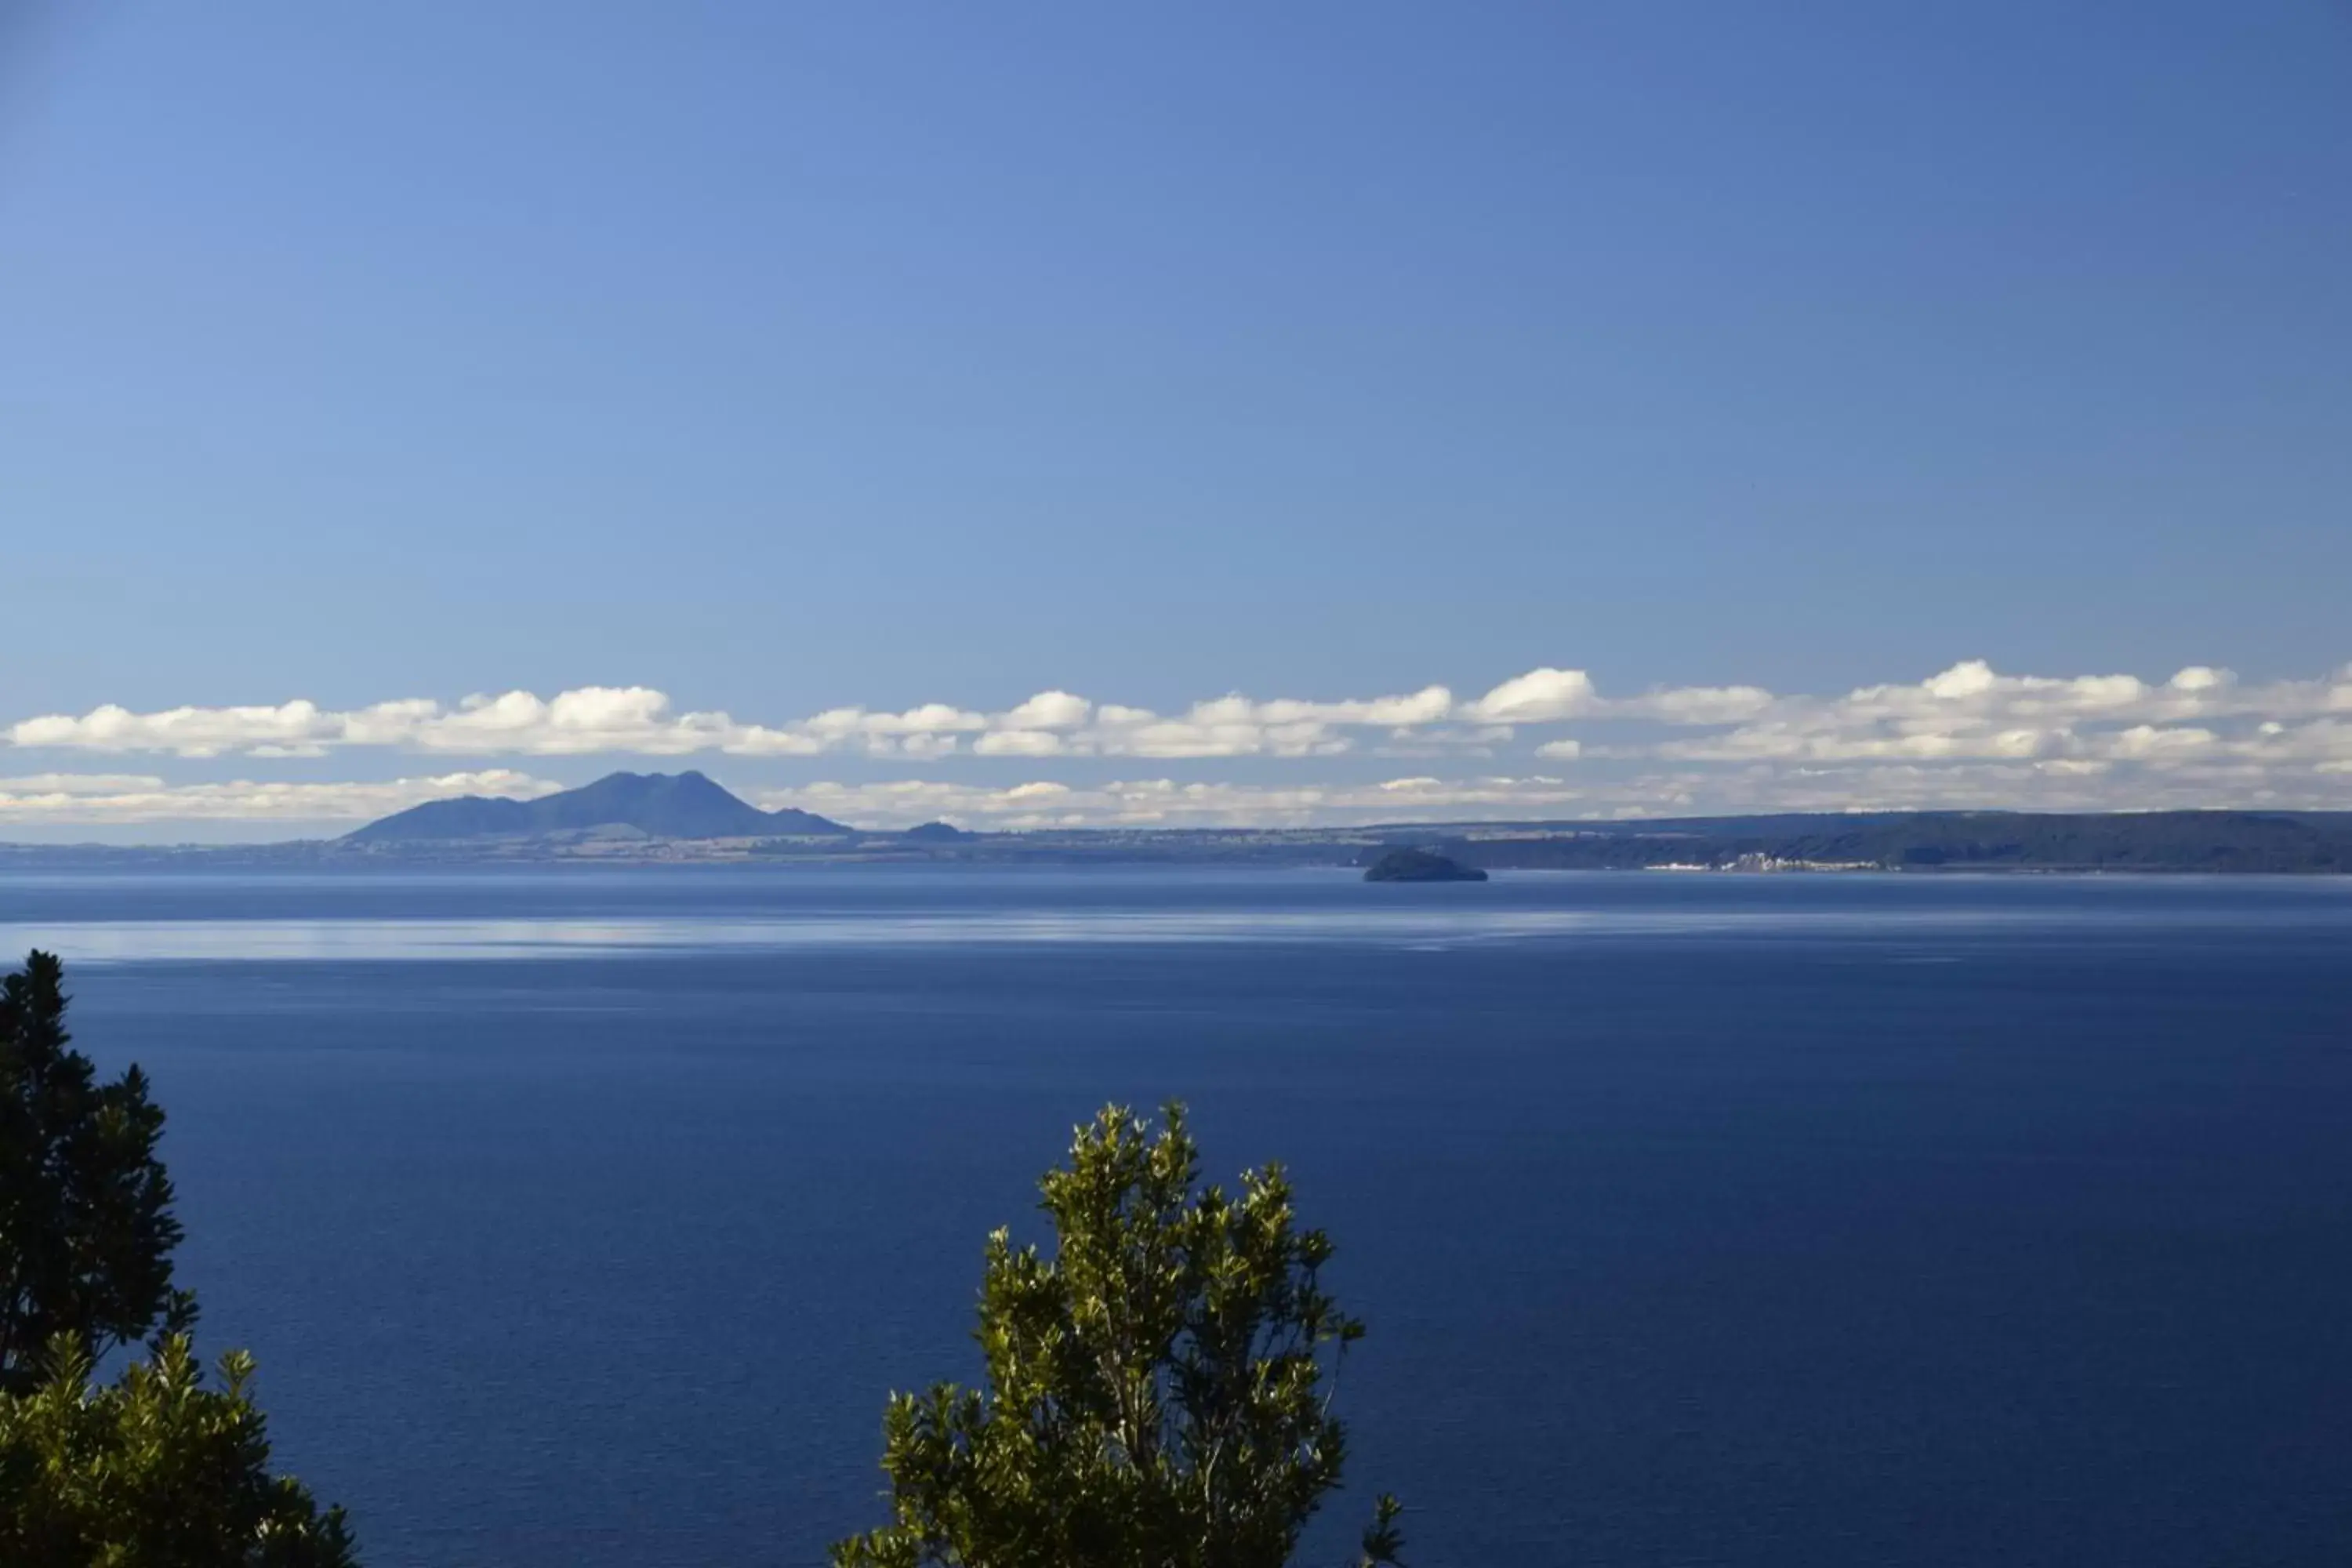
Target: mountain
x=664, y=806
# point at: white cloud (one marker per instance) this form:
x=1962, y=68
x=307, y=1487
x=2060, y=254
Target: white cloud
x=1973, y=686
x=930, y=718
x=1430, y=705
x=1788, y=742
x=80, y=784
x=1696, y=705
x=190, y=732
x=102, y=799
x=1049, y=711
x=1171, y=802
x=1021, y=744
x=589, y=720
x=2200, y=733
x=641, y=721
x=2149, y=741
x=1538, y=697
x=1236, y=726
x=1971, y=712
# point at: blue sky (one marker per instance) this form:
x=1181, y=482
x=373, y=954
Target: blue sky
x=784, y=359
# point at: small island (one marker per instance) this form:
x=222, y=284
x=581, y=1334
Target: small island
x=1421, y=866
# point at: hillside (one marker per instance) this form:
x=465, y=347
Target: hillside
x=2208, y=841
x=661, y=805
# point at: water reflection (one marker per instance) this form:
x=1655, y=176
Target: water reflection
x=1422, y=926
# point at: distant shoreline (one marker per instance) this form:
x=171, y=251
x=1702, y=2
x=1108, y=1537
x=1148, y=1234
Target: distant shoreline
x=2135, y=843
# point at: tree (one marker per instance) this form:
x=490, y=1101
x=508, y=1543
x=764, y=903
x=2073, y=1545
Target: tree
x=1155, y=1390
x=153, y=1471
x=86, y=1224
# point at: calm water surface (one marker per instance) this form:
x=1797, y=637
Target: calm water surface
x=586, y=1218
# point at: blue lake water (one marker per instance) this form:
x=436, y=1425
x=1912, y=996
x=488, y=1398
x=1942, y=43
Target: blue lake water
x=585, y=1218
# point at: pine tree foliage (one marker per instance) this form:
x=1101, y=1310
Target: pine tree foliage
x=155, y=1470
x=86, y=1222
x=1158, y=1391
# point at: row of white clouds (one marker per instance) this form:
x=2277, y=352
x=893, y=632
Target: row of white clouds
x=639, y=720
x=132, y=798
x=109, y=800
x=1968, y=712
x=1965, y=737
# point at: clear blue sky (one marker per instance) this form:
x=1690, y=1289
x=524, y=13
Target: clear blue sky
x=787, y=356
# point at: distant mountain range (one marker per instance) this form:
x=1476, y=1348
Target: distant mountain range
x=661, y=805
x=626, y=818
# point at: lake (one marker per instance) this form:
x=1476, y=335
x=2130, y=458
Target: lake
x=585, y=1217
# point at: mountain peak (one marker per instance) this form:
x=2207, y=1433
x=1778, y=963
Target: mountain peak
x=666, y=805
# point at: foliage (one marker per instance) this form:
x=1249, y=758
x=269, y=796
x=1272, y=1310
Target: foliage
x=86, y=1224
x=153, y=1471
x=1421, y=866
x=1156, y=1391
